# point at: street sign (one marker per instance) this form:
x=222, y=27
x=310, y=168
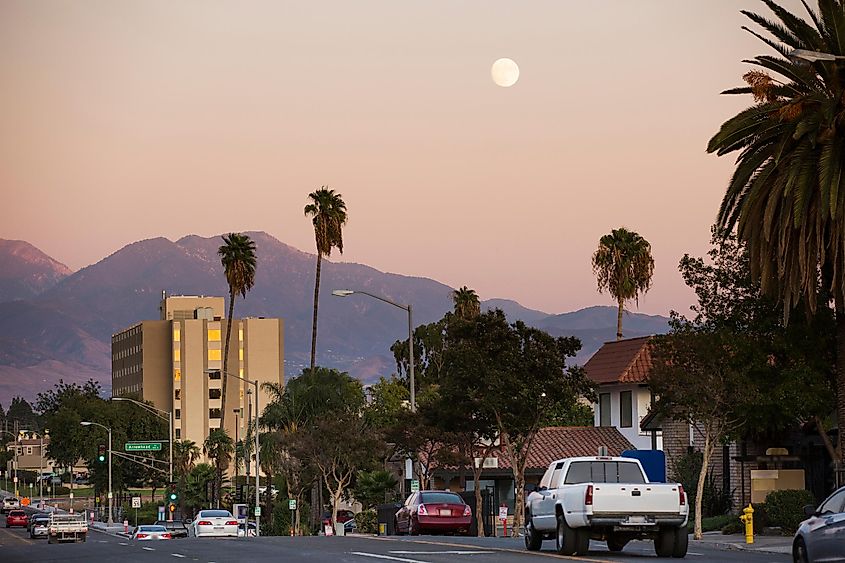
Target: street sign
x=415, y=485
x=142, y=447
x=292, y=504
x=136, y=502
x=258, y=511
x=503, y=513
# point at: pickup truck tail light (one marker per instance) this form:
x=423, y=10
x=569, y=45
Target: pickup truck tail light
x=588, y=496
x=421, y=510
x=682, y=494
x=467, y=510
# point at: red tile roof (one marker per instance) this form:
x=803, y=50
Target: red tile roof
x=621, y=361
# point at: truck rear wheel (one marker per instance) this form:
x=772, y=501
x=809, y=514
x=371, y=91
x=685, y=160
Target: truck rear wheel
x=569, y=541
x=664, y=543
x=533, y=539
x=681, y=542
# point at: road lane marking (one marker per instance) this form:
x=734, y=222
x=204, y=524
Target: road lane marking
x=496, y=549
x=451, y=552
x=388, y=557
x=102, y=541
x=123, y=543
x=177, y=555
x=148, y=548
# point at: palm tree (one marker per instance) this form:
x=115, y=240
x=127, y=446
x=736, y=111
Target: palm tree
x=328, y=214
x=185, y=455
x=623, y=266
x=786, y=198
x=467, y=304
x=218, y=447
x=237, y=254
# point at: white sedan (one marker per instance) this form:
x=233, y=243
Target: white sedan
x=215, y=523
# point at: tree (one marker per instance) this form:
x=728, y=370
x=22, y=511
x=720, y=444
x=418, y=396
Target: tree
x=785, y=196
x=20, y=412
x=623, y=266
x=328, y=215
x=374, y=487
x=196, y=488
x=237, y=254
x=388, y=404
x=467, y=305
x=219, y=448
x=185, y=455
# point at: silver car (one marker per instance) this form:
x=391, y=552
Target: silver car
x=215, y=523
x=821, y=536
x=39, y=527
x=151, y=532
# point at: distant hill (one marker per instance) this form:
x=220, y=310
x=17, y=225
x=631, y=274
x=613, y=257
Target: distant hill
x=26, y=272
x=64, y=330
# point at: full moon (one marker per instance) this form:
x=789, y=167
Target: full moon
x=505, y=73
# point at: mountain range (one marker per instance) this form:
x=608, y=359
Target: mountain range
x=55, y=323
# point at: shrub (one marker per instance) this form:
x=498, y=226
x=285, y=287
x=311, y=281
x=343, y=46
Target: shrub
x=686, y=471
x=367, y=522
x=786, y=508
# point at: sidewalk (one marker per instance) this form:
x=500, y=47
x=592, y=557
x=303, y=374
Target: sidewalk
x=763, y=544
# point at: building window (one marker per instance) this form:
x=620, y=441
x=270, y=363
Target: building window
x=177, y=394
x=214, y=355
x=178, y=434
x=177, y=374
x=177, y=334
x=604, y=409
x=625, y=409
x=241, y=354
x=177, y=414
x=214, y=393
x=213, y=413
x=177, y=354
x=214, y=374
x=241, y=334
x=214, y=335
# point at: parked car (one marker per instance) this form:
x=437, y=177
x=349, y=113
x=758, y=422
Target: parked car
x=10, y=503
x=821, y=536
x=17, y=518
x=214, y=523
x=343, y=516
x=433, y=511
x=176, y=528
x=39, y=526
x=151, y=532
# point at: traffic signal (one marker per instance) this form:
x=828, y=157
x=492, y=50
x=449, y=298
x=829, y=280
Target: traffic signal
x=172, y=507
x=101, y=453
x=173, y=495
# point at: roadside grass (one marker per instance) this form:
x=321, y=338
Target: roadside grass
x=714, y=523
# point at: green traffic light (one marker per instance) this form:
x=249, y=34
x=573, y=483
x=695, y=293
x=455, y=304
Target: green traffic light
x=102, y=458
x=172, y=496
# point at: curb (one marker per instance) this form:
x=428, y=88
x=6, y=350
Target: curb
x=781, y=550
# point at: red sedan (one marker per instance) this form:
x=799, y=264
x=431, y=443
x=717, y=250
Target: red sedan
x=17, y=518
x=434, y=511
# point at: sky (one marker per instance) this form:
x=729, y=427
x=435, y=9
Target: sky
x=122, y=121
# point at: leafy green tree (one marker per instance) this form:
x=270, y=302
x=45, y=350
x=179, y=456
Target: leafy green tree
x=185, y=455
x=467, y=304
x=218, y=447
x=20, y=412
x=374, y=487
x=785, y=196
x=196, y=489
x=388, y=404
x=237, y=254
x=328, y=215
x=623, y=266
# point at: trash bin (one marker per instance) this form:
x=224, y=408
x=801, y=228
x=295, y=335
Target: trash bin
x=385, y=515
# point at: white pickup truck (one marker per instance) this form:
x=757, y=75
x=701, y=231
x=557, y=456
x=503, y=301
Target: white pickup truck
x=609, y=499
x=67, y=527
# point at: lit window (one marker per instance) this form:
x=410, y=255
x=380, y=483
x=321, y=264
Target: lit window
x=241, y=334
x=214, y=335
x=241, y=372
x=177, y=334
x=177, y=355
x=177, y=374
x=241, y=354
x=214, y=355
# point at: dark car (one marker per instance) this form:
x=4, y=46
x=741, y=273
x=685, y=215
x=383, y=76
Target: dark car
x=176, y=528
x=343, y=516
x=433, y=511
x=821, y=536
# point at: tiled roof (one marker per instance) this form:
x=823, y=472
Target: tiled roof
x=557, y=442
x=621, y=361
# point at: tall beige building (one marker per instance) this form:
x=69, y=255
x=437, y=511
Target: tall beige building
x=168, y=362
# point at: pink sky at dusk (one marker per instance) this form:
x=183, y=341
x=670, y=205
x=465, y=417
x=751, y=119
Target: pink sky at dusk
x=128, y=120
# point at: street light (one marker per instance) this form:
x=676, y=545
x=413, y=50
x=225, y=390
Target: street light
x=86, y=423
x=257, y=462
x=41, y=466
x=347, y=292
x=812, y=56
x=169, y=418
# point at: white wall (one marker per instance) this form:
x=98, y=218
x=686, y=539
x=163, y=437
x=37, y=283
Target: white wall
x=641, y=399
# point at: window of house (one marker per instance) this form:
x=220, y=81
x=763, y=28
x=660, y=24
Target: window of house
x=29, y=450
x=625, y=409
x=214, y=393
x=178, y=434
x=214, y=355
x=177, y=394
x=604, y=409
x=177, y=414
x=213, y=413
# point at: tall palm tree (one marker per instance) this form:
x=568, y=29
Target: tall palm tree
x=185, y=455
x=237, y=254
x=467, y=304
x=786, y=198
x=328, y=214
x=623, y=266
x=218, y=447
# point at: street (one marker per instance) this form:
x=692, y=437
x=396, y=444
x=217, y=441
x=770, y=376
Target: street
x=16, y=546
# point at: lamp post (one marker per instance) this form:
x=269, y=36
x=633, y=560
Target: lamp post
x=347, y=292
x=257, y=462
x=813, y=56
x=111, y=500
x=41, y=466
x=237, y=413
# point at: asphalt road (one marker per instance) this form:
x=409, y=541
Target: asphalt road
x=15, y=546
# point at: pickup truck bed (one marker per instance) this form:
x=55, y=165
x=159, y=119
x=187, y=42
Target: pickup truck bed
x=607, y=499
x=67, y=527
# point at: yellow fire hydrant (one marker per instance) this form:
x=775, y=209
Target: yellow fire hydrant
x=748, y=519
